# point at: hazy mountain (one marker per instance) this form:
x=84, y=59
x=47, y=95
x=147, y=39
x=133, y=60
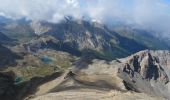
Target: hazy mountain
x=5, y=39
x=81, y=37
x=146, y=37
x=17, y=29
x=86, y=37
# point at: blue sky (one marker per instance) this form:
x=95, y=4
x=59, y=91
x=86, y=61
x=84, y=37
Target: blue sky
x=58, y=8
x=167, y=1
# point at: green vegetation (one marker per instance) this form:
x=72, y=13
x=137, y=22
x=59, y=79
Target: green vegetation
x=33, y=66
x=29, y=72
x=144, y=38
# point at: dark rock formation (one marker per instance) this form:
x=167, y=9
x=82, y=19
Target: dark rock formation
x=7, y=57
x=7, y=86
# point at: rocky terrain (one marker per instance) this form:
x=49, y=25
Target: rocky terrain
x=141, y=76
x=43, y=74
x=80, y=37
x=96, y=95
x=77, y=59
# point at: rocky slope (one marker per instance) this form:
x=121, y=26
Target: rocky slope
x=109, y=43
x=146, y=72
x=81, y=36
x=141, y=76
x=36, y=44
x=96, y=95
x=85, y=36
x=39, y=28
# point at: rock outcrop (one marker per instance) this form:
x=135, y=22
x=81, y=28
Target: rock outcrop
x=146, y=71
x=39, y=28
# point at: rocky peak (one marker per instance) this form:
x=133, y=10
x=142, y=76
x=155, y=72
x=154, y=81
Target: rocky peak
x=39, y=28
x=147, y=71
x=147, y=65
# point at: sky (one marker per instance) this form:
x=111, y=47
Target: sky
x=154, y=14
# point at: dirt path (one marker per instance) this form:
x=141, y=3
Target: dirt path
x=95, y=95
x=45, y=88
x=85, y=93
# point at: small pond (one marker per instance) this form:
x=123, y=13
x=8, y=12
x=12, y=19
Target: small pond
x=46, y=59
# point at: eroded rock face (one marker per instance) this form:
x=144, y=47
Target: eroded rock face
x=147, y=66
x=147, y=71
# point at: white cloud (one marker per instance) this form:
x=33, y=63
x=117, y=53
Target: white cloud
x=149, y=13
x=73, y=3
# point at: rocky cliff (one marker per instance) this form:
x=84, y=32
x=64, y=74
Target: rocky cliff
x=147, y=71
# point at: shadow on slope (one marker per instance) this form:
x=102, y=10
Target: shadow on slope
x=7, y=57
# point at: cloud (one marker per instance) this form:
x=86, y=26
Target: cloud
x=154, y=14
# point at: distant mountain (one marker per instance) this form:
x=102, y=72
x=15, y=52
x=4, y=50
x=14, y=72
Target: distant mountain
x=16, y=29
x=106, y=43
x=82, y=37
x=5, y=39
x=146, y=37
x=5, y=20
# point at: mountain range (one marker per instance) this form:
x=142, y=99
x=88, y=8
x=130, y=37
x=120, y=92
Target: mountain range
x=81, y=37
x=40, y=57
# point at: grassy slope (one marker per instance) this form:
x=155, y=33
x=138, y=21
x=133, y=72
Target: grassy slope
x=144, y=38
x=32, y=66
